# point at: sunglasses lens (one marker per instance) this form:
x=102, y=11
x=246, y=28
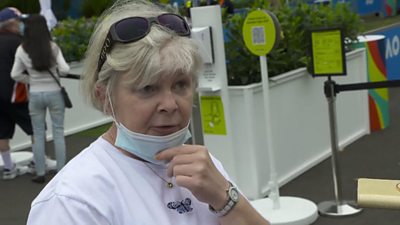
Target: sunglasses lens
x=132, y=29
x=175, y=23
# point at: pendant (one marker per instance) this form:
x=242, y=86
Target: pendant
x=170, y=185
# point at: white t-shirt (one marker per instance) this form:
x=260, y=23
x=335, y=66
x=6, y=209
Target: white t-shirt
x=103, y=186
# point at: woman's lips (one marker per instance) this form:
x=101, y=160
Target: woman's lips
x=164, y=130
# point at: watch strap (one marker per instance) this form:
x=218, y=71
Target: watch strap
x=230, y=204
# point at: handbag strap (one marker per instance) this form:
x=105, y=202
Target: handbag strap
x=52, y=74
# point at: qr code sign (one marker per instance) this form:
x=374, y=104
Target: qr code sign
x=258, y=35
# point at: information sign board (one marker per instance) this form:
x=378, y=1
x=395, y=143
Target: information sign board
x=327, y=52
x=261, y=32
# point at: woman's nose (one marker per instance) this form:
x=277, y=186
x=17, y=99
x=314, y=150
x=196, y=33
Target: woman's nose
x=168, y=102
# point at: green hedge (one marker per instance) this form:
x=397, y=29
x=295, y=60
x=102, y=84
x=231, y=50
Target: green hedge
x=291, y=53
x=72, y=35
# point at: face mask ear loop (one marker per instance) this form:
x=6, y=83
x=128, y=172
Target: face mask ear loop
x=112, y=107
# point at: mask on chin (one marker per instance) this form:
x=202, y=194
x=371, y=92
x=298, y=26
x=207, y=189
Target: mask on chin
x=147, y=146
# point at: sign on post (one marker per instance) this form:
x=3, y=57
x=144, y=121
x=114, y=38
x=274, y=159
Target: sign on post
x=327, y=52
x=261, y=32
x=213, y=118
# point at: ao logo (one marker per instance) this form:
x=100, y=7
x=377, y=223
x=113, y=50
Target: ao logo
x=392, y=47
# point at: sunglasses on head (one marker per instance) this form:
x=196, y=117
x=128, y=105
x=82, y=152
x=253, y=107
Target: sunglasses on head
x=135, y=28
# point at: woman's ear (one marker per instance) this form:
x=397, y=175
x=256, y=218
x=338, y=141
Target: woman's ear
x=101, y=96
x=100, y=92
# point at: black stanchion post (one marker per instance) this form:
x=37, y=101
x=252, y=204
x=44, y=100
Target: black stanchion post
x=338, y=207
x=330, y=42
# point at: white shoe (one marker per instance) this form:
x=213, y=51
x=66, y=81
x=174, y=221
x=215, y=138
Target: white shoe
x=31, y=167
x=14, y=172
x=51, y=165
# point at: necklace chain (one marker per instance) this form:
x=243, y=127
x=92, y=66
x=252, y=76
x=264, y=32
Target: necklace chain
x=169, y=184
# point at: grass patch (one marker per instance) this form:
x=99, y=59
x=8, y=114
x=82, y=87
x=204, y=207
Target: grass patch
x=94, y=132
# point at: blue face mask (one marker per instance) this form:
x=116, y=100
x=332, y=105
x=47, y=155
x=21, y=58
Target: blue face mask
x=21, y=28
x=147, y=146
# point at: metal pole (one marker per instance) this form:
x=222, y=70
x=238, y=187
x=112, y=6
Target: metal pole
x=334, y=146
x=195, y=124
x=273, y=183
x=339, y=207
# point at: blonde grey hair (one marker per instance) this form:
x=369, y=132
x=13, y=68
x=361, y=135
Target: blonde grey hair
x=160, y=53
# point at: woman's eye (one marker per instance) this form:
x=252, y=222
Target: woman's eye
x=182, y=85
x=148, y=89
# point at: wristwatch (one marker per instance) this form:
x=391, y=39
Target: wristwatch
x=233, y=198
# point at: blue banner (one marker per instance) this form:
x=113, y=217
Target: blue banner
x=365, y=7
x=392, y=51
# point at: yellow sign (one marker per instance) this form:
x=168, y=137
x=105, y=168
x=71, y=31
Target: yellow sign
x=261, y=32
x=212, y=115
x=327, y=52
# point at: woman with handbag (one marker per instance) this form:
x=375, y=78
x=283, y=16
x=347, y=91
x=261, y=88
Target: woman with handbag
x=36, y=62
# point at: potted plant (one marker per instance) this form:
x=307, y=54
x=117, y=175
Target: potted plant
x=291, y=53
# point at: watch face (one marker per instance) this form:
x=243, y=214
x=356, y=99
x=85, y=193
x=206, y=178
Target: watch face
x=234, y=194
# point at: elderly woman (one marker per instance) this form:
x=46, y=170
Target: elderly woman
x=141, y=69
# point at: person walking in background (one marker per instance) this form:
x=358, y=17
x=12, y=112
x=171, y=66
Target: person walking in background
x=13, y=95
x=141, y=69
x=35, y=60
